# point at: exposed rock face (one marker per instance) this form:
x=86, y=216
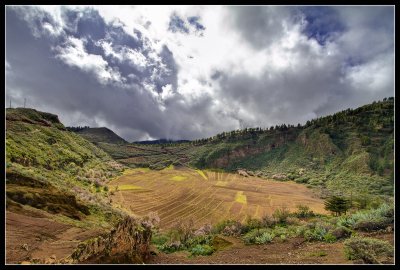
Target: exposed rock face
x=129, y=242
x=249, y=150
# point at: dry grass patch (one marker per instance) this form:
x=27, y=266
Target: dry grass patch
x=202, y=174
x=178, y=178
x=240, y=197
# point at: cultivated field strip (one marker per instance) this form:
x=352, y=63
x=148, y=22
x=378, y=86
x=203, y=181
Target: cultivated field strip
x=183, y=194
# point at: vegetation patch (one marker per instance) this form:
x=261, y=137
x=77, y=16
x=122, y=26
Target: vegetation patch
x=202, y=174
x=127, y=187
x=179, y=178
x=240, y=197
x=369, y=250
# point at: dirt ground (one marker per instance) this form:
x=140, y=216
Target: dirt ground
x=37, y=238
x=293, y=251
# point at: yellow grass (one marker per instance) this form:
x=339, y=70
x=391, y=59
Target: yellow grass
x=221, y=183
x=178, y=178
x=201, y=174
x=127, y=187
x=171, y=194
x=240, y=197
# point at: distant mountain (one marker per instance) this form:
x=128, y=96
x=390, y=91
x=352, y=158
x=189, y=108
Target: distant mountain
x=98, y=135
x=161, y=141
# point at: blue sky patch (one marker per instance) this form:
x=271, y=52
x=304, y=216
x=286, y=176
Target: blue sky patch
x=322, y=23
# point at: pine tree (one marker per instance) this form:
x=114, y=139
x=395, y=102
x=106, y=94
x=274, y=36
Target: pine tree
x=337, y=205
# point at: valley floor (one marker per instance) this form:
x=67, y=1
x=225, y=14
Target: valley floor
x=293, y=251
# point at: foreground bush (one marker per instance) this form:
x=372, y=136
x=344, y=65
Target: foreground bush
x=369, y=220
x=259, y=236
x=228, y=228
x=369, y=250
x=202, y=250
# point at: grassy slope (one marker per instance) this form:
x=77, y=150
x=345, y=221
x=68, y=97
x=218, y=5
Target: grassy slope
x=350, y=152
x=55, y=170
x=102, y=134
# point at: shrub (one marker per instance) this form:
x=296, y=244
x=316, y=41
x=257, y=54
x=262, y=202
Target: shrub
x=341, y=232
x=183, y=230
x=268, y=221
x=329, y=238
x=159, y=239
x=281, y=215
x=228, y=227
x=265, y=237
x=251, y=224
x=369, y=250
x=203, y=250
x=318, y=233
x=372, y=225
x=315, y=234
x=304, y=211
x=200, y=240
x=170, y=247
x=258, y=236
x=369, y=220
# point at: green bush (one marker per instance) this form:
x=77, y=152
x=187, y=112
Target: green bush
x=258, y=236
x=202, y=250
x=304, y=212
x=329, y=238
x=281, y=215
x=200, y=240
x=265, y=237
x=341, y=232
x=369, y=250
x=369, y=220
x=251, y=223
x=159, y=239
x=227, y=227
x=170, y=247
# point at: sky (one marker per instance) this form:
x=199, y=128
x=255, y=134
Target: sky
x=190, y=72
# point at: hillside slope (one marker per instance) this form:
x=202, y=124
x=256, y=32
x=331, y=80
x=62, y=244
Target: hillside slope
x=101, y=134
x=350, y=151
x=56, y=171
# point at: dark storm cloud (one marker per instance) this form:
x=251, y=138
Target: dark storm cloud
x=50, y=85
x=93, y=72
x=260, y=26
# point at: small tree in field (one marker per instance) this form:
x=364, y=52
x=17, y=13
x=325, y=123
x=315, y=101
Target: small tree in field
x=337, y=205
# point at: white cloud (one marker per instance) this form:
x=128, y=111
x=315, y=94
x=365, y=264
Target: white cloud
x=251, y=66
x=73, y=54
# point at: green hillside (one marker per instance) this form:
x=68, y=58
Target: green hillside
x=97, y=135
x=55, y=170
x=350, y=151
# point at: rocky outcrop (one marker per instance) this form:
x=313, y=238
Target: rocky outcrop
x=279, y=176
x=129, y=242
x=243, y=173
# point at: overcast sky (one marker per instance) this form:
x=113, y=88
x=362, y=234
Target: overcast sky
x=187, y=72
